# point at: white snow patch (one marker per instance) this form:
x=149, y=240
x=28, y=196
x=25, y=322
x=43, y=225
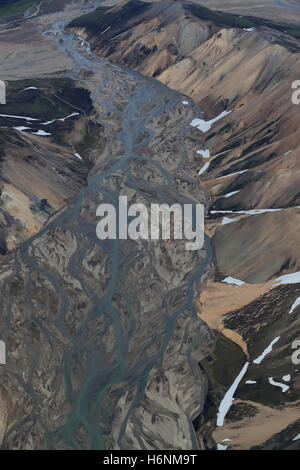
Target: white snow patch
x=228, y=398
x=296, y=438
x=293, y=278
x=224, y=212
x=205, y=126
x=204, y=153
x=250, y=382
x=286, y=378
x=231, y=194
x=21, y=128
x=18, y=117
x=221, y=447
x=41, y=133
x=232, y=174
x=227, y=220
x=262, y=211
x=203, y=169
x=249, y=212
x=268, y=349
x=249, y=29
x=76, y=154
x=29, y=88
x=232, y=280
x=283, y=387
x=67, y=117
x=105, y=30
x=61, y=119
x=295, y=304
x=184, y=102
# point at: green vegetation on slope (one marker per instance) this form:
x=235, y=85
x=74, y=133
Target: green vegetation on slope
x=16, y=8
x=53, y=99
x=236, y=21
x=105, y=17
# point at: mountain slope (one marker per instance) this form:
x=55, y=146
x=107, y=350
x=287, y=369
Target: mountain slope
x=252, y=173
x=39, y=169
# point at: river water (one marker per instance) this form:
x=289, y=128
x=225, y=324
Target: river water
x=105, y=384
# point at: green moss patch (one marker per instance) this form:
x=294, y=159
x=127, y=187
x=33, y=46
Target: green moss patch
x=236, y=21
x=53, y=99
